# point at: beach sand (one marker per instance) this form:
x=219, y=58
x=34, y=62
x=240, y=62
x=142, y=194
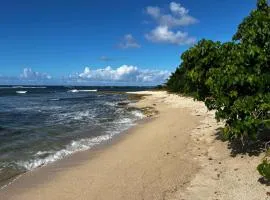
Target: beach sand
x=173, y=155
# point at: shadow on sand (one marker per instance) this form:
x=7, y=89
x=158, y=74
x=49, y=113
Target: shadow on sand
x=251, y=148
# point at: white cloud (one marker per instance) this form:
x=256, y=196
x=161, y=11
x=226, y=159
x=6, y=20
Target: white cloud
x=124, y=73
x=177, y=17
x=162, y=34
x=153, y=11
x=171, y=21
x=129, y=42
x=177, y=9
x=31, y=75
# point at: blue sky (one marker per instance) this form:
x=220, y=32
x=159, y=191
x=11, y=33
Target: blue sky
x=74, y=42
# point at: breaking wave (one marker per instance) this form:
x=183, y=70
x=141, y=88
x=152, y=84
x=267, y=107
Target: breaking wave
x=73, y=147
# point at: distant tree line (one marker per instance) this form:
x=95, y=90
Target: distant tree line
x=233, y=78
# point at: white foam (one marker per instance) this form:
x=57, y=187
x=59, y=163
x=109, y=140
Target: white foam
x=75, y=91
x=138, y=114
x=87, y=90
x=82, y=144
x=21, y=92
x=40, y=153
x=118, y=126
x=81, y=115
x=110, y=104
x=74, y=146
x=78, y=115
x=56, y=99
x=124, y=121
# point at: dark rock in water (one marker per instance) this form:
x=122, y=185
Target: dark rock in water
x=149, y=111
x=123, y=103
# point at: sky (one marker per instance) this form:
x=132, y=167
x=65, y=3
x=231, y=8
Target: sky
x=117, y=42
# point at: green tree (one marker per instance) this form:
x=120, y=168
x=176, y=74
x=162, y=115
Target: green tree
x=190, y=76
x=239, y=91
x=197, y=61
x=178, y=81
x=233, y=78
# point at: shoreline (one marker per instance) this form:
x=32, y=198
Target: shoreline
x=175, y=155
x=131, y=99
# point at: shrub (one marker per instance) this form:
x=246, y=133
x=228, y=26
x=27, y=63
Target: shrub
x=233, y=78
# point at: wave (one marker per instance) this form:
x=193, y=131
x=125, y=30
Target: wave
x=124, y=121
x=88, y=90
x=75, y=91
x=73, y=147
x=138, y=114
x=46, y=157
x=112, y=104
x=56, y=99
x=21, y=92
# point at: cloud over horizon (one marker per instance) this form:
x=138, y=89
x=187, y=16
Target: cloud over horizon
x=29, y=74
x=165, y=32
x=123, y=76
x=126, y=74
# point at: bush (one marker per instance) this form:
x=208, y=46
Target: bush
x=264, y=167
x=233, y=78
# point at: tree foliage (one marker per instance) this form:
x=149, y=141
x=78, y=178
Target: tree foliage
x=233, y=78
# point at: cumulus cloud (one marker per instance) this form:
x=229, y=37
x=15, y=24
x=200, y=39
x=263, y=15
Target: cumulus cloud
x=162, y=34
x=178, y=9
x=29, y=74
x=178, y=16
x=129, y=42
x=124, y=73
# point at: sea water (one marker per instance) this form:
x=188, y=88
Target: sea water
x=42, y=124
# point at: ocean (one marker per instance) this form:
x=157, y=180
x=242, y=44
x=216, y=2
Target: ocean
x=42, y=124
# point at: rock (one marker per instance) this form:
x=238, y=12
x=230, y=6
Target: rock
x=123, y=103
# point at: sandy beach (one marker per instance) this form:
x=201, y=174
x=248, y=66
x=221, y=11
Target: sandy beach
x=176, y=154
